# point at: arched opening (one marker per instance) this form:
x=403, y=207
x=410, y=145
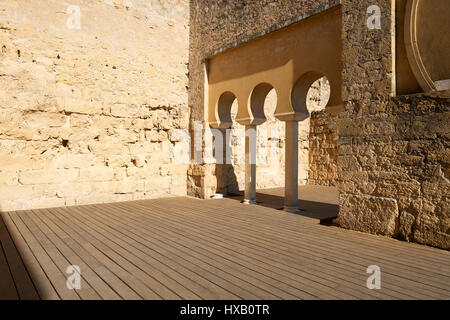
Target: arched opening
x=262, y=100
x=270, y=104
x=317, y=131
x=318, y=95
x=305, y=91
x=227, y=107
x=318, y=156
x=224, y=105
x=234, y=111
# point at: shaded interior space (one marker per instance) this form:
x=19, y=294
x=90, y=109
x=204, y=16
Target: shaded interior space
x=186, y=248
x=316, y=202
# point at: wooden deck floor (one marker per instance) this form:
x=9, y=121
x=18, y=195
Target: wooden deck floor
x=184, y=248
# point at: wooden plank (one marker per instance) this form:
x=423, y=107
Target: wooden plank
x=176, y=282
x=40, y=280
x=172, y=233
x=187, y=248
x=279, y=280
x=59, y=260
x=244, y=289
x=319, y=249
x=121, y=288
x=217, y=231
x=74, y=254
x=56, y=277
x=133, y=262
x=272, y=264
x=97, y=260
x=198, y=284
x=7, y=287
x=291, y=222
x=147, y=273
x=416, y=276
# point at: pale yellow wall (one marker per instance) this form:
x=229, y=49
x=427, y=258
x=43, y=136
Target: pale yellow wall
x=91, y=115
x=279, y=59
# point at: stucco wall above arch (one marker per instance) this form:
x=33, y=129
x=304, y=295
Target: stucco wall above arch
x=279, y=58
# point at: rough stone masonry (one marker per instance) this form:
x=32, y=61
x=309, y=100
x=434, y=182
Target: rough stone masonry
x=92, y=114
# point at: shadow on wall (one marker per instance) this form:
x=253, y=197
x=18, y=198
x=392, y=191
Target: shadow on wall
x=226, y=179
x=225, y=172
x=15, y=280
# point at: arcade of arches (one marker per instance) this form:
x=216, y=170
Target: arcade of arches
x=286, y=62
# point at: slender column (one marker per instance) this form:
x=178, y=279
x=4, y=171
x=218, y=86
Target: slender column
x=226, y=166
x=250, y=164
x=291, y=167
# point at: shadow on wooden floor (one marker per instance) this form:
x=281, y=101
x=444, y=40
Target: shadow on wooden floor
x=185, y=248
x=15, y=282
x=316, y=202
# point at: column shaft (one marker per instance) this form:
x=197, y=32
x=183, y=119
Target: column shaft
x=250, y=164
x=291, y=167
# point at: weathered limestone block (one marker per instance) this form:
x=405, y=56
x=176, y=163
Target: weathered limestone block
x=201, y=180
x=177, y=169
x=158, y=185
x=70, y=160
x=128, y=185
x=97, y=173
x=119, y=160
x=16, y=193
x=44, y=120
x=349, y=163
x=155, y=135
x=32, y=177
x=70, y=105
x=138, y=160
x=120, y=173
x=103, y=187
x=427, y=230
x=406, y=222
x=350, y=127
x=177, y=188
x=161, y=155
x=70, y=189
x=375, y=215
x=124, y=111
x=9, y=178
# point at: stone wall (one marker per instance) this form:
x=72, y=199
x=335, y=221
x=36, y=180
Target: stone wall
x=393, y=158
x=322, y=137
x=94, y=114
x=323, y=149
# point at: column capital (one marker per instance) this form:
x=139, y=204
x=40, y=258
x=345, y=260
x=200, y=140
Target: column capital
x=291, y=116
x=250, y=121
x=220, y=125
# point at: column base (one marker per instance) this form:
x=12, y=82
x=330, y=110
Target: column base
x=292, y=209
x=245, y=201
